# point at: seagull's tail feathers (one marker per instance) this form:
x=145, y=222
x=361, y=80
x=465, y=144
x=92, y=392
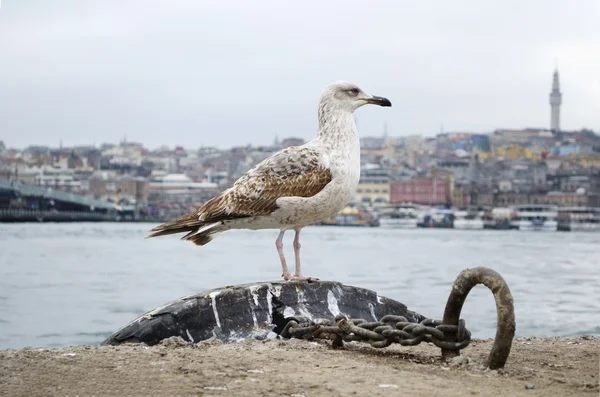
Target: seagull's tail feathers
x=198, y=232
x=205, y=234
x=204, y=224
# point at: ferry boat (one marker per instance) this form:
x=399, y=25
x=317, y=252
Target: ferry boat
x=575, y=219
x=437, y=218
x=402, y=217
x=468, y=220
x=350, y=216
x=538, y=217
x=498, y=219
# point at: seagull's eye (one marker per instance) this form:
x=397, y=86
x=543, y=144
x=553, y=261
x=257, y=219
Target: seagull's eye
x=354, y=91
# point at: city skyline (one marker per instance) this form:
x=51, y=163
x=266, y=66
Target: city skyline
x=274, y=141
x=212, y=74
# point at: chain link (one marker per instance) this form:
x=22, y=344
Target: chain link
x=390, y=329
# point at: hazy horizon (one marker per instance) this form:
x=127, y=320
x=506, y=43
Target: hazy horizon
x=229, y=73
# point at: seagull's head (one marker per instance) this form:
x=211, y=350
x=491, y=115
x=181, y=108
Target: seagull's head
x=349, y=96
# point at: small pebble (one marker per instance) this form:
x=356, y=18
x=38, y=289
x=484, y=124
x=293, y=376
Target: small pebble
x=529, y=386
x=459, y=360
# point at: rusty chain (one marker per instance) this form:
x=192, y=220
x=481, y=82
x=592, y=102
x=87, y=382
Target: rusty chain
x=390, y=329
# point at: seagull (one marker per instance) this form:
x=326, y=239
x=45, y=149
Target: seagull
x=293, y=188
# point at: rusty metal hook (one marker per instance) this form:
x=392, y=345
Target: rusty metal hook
x=505, y=330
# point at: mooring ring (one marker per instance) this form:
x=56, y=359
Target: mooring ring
x=505, y=330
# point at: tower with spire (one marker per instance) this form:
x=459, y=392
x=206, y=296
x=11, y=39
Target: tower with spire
x=555, y=102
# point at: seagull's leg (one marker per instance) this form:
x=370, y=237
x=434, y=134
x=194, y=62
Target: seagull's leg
x=298, y=273
x=279, y=244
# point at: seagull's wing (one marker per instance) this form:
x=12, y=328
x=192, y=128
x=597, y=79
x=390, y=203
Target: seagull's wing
x=292, y=172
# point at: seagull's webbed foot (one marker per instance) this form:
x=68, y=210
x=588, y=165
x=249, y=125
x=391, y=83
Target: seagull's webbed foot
x=290, y=277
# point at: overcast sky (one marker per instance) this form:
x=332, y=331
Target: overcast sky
x=192, y=72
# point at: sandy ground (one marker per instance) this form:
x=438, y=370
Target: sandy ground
x=536, y=367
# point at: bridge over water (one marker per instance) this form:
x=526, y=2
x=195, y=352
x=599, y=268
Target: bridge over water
x=21, y=202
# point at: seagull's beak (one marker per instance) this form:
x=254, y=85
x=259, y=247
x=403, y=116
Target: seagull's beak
x=379, y=100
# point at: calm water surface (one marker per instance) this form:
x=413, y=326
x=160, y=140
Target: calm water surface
x=70, y=284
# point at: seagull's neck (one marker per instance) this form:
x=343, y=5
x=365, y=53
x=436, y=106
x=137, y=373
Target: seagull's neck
x=339, y=138
x=337, y=128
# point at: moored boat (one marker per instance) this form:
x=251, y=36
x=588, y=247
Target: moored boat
x=576, y=219
x=402, y=217
x=536, y=217
x=350, y=216
x=468, y=220
x=498, y=219
x=437, y=218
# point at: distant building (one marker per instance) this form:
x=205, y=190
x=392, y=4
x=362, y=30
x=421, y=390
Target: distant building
x=374, y=187
x=106, y=184
x=180, y=188
x=59, y=178
x=569, y=149
x=502, y=137
x=433, y=191
x=555, y=102
x=292, y=141
x=37, y=150
x=458, y=166
x=370, y=143
x=565, y=199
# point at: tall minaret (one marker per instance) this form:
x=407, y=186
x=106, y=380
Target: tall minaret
x=555, y=101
